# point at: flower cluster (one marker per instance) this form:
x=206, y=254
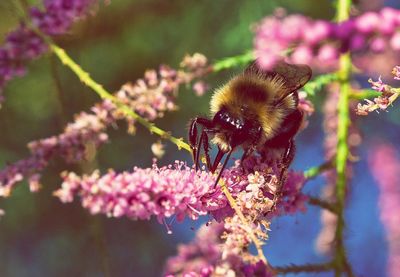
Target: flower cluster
x=319, y=43
x=178, y=190
x=387, y=97
x=57, y=16
x=173, y=190
x=385, y=167
x=150, y=97
x=199, y=257
x=23, y=45
x=204, y=256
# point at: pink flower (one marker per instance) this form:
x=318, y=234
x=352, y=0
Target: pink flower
x=378, y=85
x=357, y=41
x=23, y=45
x=385, y=166
x=378, y=44
x=382, y=102
x=302, y=55
x=328, y=54
x=396, y=72
x=151, y=97
x=200, y=88
x=395, y=41
x=319, y=42
x=368, y=22
x=178, y=190
x=204, y=256
x=317, y=31
x=163, y=192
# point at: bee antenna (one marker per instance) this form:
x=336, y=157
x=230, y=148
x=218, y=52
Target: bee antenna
x=223, y=167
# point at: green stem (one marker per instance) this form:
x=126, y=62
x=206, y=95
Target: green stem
x=99, y=89
x=364, y=94
x=340, y=260
x=319, y=82
x=233, y=61
x=314, y=171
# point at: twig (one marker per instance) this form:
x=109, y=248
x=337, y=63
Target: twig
x=313, y=172
x=304, y=268
x=323, y=204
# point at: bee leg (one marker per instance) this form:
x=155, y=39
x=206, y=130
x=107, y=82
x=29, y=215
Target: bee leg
x=197, y=150
x=287, y=158
x=193, y=135
x=193, y=139
x=223, y=167
x=206, y=147
x=217, y=159
x=247, y=152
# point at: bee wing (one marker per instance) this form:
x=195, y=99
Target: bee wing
x=294, y=76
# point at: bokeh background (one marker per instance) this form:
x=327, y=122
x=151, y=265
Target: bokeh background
x=40, y=236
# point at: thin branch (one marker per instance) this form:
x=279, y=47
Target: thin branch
x=319, y=82
x=313, y=172
x=234, y=61
x=304, y=268
x=323, y=204
x=99, y=89
x=364, y=94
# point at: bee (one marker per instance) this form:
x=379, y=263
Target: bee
x=256, y=110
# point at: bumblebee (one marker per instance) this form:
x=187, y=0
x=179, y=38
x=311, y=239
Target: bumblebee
x=256, y=110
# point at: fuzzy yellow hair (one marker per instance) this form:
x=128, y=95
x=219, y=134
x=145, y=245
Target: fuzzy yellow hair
x=264, y=99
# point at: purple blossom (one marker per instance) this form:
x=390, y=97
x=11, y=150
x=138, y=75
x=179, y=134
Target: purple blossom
x=163, y=192
x=396, y=72
x=378, y=85
x=385, y=165
x=178, y=190
x=23, y=45
x=70, y=145
x=395, y=41
x=58, y=15
x=292, y=200
x=202, y=254
x=319, y=43
x=382, y=102
x=204, y=257
x=367, y=22
x=151, y=97
x=200, y=88
x=302, y=54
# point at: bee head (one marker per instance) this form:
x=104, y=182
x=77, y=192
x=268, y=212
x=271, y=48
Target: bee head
x=236, y=127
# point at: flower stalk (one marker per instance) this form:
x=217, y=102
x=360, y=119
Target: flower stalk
x=340, y=259
x=85, y=78
x=304, y=268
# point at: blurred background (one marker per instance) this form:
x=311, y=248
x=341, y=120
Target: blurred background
x=40, y=236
